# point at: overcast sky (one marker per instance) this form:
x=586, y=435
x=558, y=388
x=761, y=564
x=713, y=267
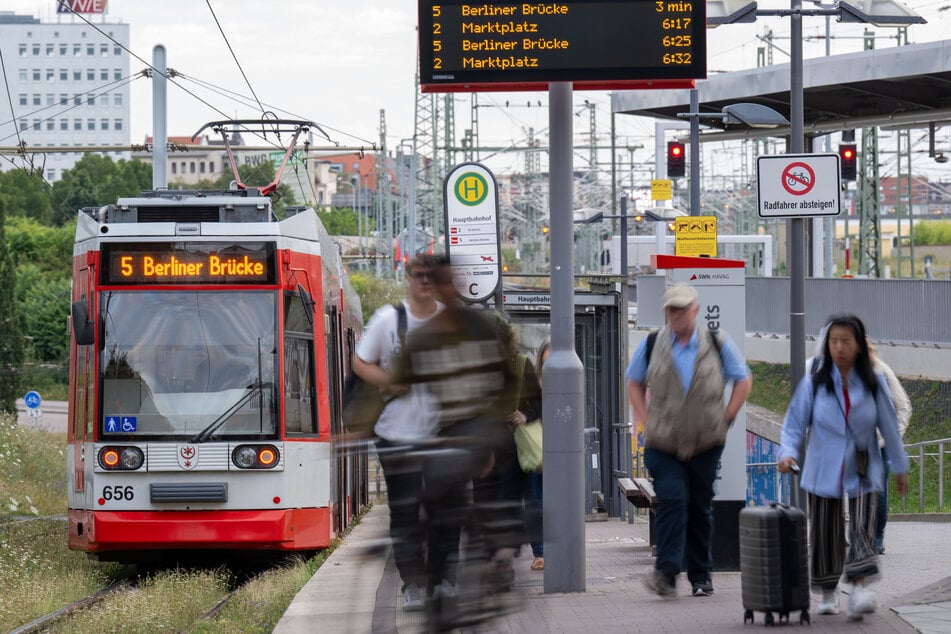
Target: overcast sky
x=339, y=62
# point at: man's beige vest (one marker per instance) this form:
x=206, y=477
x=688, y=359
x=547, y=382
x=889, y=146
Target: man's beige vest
x=685, y=425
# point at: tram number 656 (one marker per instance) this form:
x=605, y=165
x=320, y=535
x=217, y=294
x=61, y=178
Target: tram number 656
x=118, y=492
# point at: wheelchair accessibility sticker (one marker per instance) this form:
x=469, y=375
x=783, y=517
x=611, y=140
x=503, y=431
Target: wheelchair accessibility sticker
x=120, y=424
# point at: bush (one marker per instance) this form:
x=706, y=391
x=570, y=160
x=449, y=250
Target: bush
x=930, y=233
x=375, y=291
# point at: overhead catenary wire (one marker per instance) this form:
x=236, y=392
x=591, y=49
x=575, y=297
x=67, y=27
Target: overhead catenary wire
x=235, y=57
x=6, y=84
x=244, y=99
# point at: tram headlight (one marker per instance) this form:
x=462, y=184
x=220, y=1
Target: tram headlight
x=255, y=456
x=121, y=458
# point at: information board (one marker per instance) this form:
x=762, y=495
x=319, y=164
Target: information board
x=609, y=44
x=188, y=263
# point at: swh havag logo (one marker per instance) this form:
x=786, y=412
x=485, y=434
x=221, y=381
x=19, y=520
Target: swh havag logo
x=471, y=189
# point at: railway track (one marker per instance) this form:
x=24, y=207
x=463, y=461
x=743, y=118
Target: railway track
x=96, y=600
x=45, y=621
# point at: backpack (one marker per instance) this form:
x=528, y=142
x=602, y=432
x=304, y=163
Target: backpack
x=652, y=339
x=362, y=402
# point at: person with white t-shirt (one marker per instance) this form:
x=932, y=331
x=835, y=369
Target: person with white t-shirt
x=409, y=417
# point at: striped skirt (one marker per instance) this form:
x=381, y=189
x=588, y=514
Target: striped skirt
x=838, y=546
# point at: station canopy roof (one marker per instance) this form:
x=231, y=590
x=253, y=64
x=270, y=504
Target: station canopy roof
x=903, y=86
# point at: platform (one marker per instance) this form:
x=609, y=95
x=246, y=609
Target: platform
x=357, y=589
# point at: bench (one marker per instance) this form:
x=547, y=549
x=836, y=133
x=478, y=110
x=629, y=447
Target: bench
x=638, y=491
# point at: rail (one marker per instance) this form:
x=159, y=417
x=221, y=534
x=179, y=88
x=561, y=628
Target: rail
x=927, y=474
x=927, y=477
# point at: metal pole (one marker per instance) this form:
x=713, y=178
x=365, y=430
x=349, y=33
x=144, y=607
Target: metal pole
x=660, y=173
x=411, y=221
x=626, y=464
x=563, y=402
x=795, y=227
x=159, y=118
x=694, y=152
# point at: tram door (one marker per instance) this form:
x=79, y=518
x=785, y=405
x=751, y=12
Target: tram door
x=607, y=434
x=83, y=378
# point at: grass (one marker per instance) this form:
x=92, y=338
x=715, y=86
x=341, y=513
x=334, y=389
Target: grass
x=169, y=601
x=38, y=572
x=32, y=470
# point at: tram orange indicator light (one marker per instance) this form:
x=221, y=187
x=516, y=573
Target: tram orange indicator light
x=267, y=457
x=110, y=458
x=255, y=456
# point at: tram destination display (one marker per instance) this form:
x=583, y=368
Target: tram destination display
x=188, y=263
x=525, y=45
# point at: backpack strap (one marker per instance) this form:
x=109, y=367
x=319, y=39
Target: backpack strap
x=651, y=340
x=400, y=321
x=717, y=344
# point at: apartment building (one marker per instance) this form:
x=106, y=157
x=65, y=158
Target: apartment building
x=68, y=83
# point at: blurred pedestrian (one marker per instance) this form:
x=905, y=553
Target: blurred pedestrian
x=457, y=357
x=408, y=418
x=687, y=370
x=534, y=483
x=842, y=406
x=514, y=495
x=903, y=411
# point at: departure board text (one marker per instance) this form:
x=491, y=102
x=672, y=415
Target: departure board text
x=609, y=42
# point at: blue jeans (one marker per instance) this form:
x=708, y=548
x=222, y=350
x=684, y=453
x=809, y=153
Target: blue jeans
x=683, y=520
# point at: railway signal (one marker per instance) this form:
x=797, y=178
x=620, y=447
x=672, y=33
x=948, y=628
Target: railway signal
x=676, y=159
x=847, y=158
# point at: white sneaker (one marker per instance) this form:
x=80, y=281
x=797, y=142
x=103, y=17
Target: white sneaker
x=414, y=598
x=861, y=602
x=444, y=590
x=829, y=603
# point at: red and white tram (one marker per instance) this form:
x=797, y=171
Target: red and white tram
x=209, y=348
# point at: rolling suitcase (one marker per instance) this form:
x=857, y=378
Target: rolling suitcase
x=774, y=562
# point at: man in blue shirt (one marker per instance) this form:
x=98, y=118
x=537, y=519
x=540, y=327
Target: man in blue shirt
x=686, y=424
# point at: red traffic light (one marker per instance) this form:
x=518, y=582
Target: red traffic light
x=847, y=158
x=676, y=163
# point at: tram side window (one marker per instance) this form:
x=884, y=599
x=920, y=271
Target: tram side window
x=299, y=402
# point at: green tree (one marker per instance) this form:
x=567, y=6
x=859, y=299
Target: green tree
x=95, y=181
x=46, y=313
x=26, y=195
x=48, y=248
x=11, y=332
x=340, y=222
x=375, y=291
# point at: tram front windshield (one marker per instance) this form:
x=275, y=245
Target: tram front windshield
x=198, y=365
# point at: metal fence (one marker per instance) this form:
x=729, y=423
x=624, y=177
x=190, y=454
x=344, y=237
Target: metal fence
x=914, y=311
x=927, y=476
x=893, y=310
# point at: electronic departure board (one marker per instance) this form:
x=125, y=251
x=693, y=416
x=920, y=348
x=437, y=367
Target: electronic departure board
x=607, y=44
x=188, y=263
